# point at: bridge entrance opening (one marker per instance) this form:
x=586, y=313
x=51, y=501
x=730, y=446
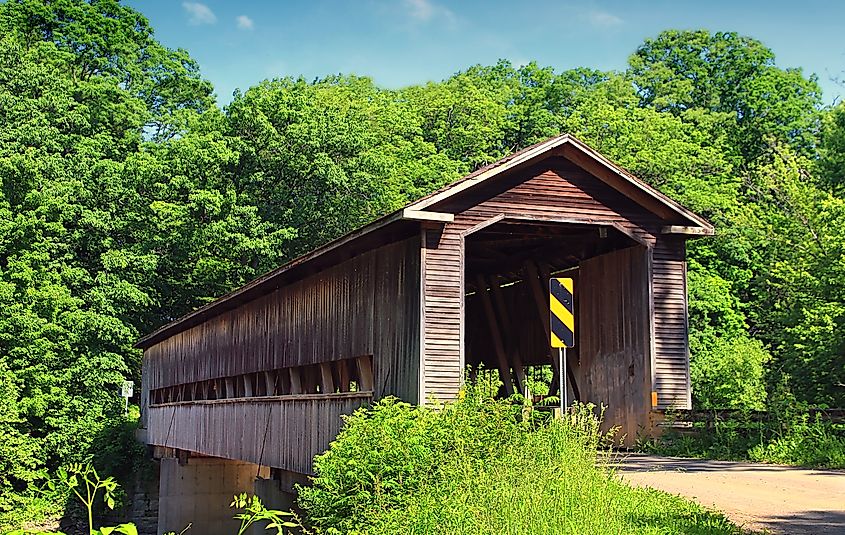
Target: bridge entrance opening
x=506, y=310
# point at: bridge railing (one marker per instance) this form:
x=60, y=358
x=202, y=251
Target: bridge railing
x=712, y=417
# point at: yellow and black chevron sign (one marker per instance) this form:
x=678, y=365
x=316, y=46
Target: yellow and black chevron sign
x=562, y=312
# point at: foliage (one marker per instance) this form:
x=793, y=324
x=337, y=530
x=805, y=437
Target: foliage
x=831, y=165
x=128, y=198
x=480, y=465
x=799, y=304
x=83, y=481
x=802, y=441
x=122, y=529
x=254, y=512
x=727, y=366
x=729, y=73
x=729, y=373
x=326, y=157
x=85, y=247
x=786, y=434
x=113, y=43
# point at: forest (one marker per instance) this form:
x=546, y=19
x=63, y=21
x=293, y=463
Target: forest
x=129, y=197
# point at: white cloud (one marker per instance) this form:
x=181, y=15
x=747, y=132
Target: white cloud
x=199, y=13
x=426, y=11
x=604, y=19
x=421, y=10
x=244, y=22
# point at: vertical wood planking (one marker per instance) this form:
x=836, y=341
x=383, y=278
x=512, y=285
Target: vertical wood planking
x=404, y=303
x=614, y=340
x=555, y=189
x=671, y=344
x=367, y=305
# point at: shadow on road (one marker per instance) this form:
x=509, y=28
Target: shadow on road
x=648, y=463
x=815, y=522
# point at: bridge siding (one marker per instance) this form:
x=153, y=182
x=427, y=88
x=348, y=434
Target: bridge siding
x=615, y=344
x=283, y=432
x=368, y=305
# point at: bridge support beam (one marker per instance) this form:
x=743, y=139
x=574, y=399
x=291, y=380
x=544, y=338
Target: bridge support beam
x=199, y=492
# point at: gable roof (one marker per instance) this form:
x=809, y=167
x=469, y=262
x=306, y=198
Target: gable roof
x=584, y=156
x=569, y=146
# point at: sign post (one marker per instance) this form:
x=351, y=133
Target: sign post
x=126, y=390
x=562, y=326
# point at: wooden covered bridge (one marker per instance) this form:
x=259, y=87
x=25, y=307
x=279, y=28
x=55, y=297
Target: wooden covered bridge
x=261, y=376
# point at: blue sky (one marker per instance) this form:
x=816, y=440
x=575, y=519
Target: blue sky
x=405, y=42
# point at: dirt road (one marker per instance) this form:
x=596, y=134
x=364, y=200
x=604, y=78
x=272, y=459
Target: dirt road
x=759, y=497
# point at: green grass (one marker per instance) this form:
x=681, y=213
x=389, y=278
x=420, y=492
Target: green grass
x=543, y=487
x=481, y=466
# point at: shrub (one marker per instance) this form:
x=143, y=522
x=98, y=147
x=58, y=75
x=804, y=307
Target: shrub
x=480, y=465
x=729, y=373
x=806, y=442
x=786, y=433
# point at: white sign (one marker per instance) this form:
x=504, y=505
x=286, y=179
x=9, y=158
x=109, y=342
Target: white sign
x=127, y=389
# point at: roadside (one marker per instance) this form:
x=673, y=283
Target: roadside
x=758, y=497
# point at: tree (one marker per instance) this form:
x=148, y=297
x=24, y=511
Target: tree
x=115, y=43
x=831, y=166
x=79, y=87
x=727, y=365
x=799, y=294
x=676, y=154
x=726, y=72
x=323, y=158
x=203, y=232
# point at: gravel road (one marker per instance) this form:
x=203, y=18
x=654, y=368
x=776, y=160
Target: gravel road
x=759, y=497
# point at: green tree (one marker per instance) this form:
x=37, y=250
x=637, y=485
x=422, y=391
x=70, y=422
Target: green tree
x=115, y=43
x=59, y=334
x=727, y=365
x=800, y=294
x=76, y=269
x=323, y=158
x=831, y=166
x=201, y=231
x=726, y=72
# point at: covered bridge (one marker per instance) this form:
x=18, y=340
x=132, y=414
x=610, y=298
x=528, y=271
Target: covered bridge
x=401, y=307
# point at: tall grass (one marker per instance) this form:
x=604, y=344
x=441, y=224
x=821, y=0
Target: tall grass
x=806, y=442
x=479, y=466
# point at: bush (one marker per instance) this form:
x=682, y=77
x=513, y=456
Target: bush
x=727, y=365
x=480, y=465
x=806, y=442
x=786, y=434
x=730, y=373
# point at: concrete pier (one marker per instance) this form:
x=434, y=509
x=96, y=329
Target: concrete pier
x=199, y=491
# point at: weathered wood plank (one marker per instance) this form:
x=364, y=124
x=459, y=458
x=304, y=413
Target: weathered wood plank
x=299, y=427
